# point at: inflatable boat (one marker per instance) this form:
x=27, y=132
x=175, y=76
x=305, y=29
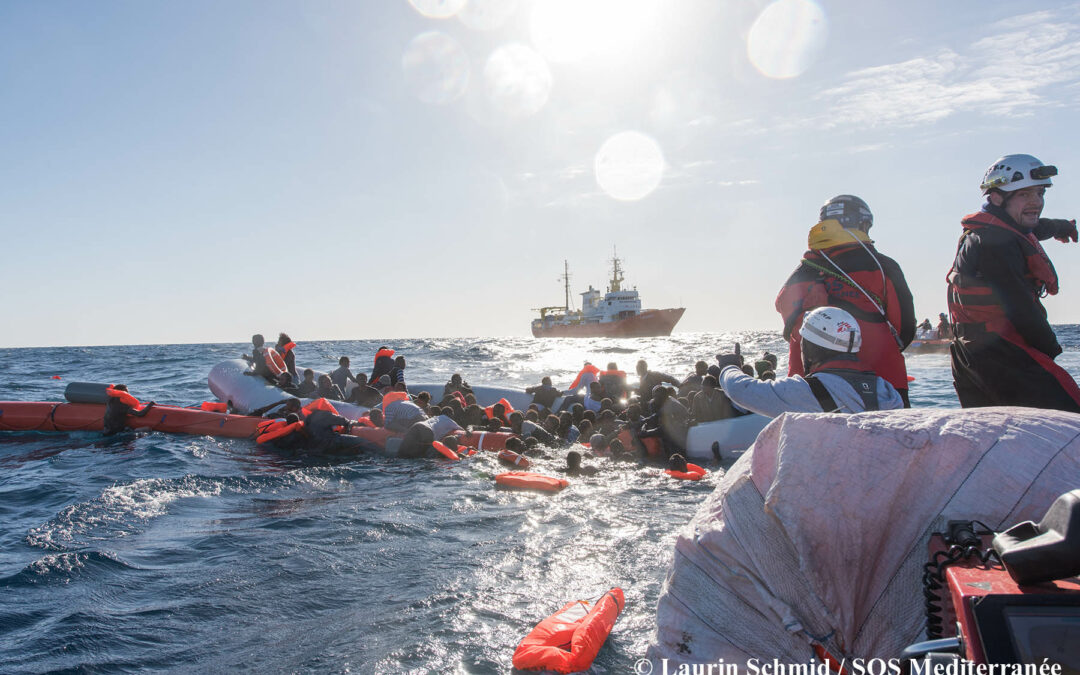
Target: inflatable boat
x=229, y=382
x=724, y=439
x=57, y=416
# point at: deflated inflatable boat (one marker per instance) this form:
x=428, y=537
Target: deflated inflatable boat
x=818, y=534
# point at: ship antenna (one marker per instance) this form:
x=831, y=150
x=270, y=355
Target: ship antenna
x=616, y=274
x=565, y=278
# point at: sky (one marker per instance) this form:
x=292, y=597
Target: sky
x=178, y=172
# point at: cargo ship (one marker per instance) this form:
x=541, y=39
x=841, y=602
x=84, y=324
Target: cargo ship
x=617, y=313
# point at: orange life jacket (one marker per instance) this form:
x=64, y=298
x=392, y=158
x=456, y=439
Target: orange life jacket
x=388, y=353
x=490, y=410
x=319, y=404
x=589, y=368
x=693, y=472
x=510, y=457
x=286, y=348
x=214, y=406
x=568, y=641
x=391, y=396
x=444, y=451
x=125, y=398
x=276, y=429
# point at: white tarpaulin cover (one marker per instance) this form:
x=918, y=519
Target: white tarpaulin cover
x=820, y=531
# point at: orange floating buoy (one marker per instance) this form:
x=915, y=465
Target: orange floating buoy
x=569, y=640
x=56, y=377
x=910, y=378
x=444, y=451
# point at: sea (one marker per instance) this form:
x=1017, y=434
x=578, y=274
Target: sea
x=152, y=552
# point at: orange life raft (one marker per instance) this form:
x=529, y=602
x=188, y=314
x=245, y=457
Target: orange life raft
x=568, y=640
x=523, y=480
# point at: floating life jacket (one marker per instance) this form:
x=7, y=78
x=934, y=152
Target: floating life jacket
x=973, y=301
x=274, y=361
x=569, y=640
x=530, y=481
x=125, y=398
x=510, y=457
x=214, y=406
x=693, y=472
x=446, y=452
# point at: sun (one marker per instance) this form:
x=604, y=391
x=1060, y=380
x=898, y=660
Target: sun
x=568, y=31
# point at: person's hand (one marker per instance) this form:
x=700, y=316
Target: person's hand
x=151, y=404
x=731, y=359
x=1065, y=230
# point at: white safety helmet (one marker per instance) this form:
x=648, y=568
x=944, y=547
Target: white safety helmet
x=1016, y=172
x=832, y=328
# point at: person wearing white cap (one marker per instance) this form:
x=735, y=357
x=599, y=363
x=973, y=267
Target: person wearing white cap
x=835, y=379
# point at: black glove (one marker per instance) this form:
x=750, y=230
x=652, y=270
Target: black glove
x=1064, y=230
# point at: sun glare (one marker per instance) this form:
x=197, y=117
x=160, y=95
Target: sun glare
x=629, y=166
x=517, y=80
x=436, y=68
x=787, y=37
x=566, y=31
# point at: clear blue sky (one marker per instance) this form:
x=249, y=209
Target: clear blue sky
x=199, y=171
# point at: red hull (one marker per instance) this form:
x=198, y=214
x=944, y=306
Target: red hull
x=650, y=323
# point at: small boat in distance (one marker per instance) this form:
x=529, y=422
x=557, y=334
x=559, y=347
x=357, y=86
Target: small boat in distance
x=617, y=314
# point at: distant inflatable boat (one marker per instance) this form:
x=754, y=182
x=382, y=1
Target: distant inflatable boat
x=929, y=346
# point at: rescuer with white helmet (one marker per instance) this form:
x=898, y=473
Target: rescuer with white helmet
x=836, y=380
x=1004, y=348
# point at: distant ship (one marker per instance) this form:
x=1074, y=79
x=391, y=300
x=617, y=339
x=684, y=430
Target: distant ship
x=617, y=314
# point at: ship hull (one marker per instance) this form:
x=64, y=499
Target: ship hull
x=649, y=323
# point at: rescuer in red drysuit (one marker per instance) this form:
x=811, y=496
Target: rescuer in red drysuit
x=1003, y=348
x=843, y=269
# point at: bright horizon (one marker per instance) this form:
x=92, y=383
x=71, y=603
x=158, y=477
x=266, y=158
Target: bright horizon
x=197, y=172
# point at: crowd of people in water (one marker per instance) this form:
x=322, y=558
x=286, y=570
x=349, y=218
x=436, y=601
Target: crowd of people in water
x=847, y=316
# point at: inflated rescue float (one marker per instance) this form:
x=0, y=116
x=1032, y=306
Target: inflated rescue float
x=569, y=640
x=524, y=480
x=507, y=456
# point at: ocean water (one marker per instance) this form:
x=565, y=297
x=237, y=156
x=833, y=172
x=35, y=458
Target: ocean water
x=171, y=553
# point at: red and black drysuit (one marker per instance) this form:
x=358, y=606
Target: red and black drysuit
x=817, y=283
x=1003, y=351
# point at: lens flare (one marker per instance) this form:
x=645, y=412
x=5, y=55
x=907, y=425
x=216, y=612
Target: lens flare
x=438, y=9
x=436, y=68
x=787, y=37
x=486, y=15
x=517, y=80
x=629, y=166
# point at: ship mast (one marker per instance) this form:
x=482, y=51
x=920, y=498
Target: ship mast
x=616, y=273
x=566, y=283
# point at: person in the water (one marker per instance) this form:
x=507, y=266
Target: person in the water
x=119, y=407
x=836, y=380
x=574, y=467
x=1004, y=348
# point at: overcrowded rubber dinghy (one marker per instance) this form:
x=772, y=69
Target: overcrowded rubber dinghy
x=817, y=537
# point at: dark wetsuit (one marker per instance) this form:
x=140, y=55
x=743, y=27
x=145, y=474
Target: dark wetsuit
x=116, y=414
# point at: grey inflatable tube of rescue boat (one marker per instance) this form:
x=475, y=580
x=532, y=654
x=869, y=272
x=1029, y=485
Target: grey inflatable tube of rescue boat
x=86, y=392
